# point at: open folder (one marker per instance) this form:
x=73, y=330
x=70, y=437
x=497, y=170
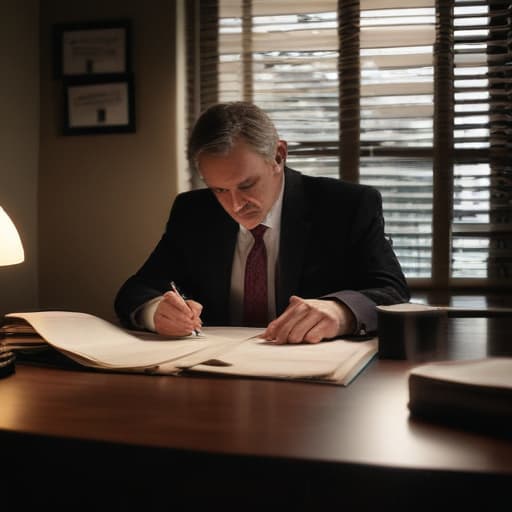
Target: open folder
x=96, y=343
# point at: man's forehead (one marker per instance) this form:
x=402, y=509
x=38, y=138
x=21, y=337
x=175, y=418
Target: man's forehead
x=229, y=180
x=224, y=170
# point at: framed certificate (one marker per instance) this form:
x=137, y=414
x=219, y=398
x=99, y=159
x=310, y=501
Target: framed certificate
x=92, y=48
x=99, y=105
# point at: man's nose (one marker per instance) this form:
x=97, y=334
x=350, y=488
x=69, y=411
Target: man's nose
x=237, y=200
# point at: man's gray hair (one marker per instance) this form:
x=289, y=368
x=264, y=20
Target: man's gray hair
x=220, y=126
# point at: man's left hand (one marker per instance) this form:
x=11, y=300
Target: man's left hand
x=310, y=321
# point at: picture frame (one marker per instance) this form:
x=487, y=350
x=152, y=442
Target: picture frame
x=99, y=105
x=92, y=48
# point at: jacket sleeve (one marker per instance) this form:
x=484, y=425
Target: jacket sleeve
x=152, y=279
x=381, y=280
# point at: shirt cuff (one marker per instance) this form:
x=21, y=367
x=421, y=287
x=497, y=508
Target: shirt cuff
x=143, y=316
x=363, y=309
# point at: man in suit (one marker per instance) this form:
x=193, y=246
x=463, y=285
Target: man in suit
x=327, y=261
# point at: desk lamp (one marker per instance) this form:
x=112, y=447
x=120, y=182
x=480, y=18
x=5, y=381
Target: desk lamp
x=11, y=252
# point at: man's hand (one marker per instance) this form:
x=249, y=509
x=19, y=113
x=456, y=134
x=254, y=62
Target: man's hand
x=311, y=321
x=175, y=316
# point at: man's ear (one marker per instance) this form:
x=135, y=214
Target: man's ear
x=281, y=152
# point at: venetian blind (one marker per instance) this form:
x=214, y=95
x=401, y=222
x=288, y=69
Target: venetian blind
x=393, y=93
x=396, y=121
x=482, y=213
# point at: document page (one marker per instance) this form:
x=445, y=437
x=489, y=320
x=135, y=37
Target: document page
x=95, y=342
x=336, y=361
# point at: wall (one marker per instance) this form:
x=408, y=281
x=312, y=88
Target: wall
x=104, y=199
x=19, y=145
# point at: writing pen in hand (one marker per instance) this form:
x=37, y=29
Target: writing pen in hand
x=176, y=291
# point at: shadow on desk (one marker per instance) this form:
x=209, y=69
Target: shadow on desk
x=72, y=475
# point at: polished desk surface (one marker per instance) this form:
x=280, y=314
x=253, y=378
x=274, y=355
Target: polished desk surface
x=363, y=429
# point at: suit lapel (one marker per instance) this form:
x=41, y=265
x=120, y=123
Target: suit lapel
x=295, y=231
x=221, y=245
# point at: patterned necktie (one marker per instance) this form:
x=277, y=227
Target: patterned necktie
x=255, y=285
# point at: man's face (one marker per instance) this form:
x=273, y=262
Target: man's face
x=245, y=184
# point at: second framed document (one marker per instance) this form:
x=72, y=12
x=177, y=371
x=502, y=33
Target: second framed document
x=99, y=105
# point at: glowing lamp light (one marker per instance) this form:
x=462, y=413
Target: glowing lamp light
x=11, y=249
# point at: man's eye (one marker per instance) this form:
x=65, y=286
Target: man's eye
x=246, y=186
x=216, y=190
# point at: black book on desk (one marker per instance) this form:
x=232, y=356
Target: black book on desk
x=473, y=394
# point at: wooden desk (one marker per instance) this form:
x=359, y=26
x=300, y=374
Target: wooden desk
x=150, y=442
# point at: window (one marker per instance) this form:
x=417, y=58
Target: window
x=411, y=96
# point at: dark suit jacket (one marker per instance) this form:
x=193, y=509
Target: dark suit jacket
x=332, y=244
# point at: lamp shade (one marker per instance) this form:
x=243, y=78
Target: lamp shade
x=11, y=250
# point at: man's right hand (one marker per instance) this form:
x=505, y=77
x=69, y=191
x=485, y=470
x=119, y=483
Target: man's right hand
x=175, y=316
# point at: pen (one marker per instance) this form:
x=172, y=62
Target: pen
x=176, y=291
